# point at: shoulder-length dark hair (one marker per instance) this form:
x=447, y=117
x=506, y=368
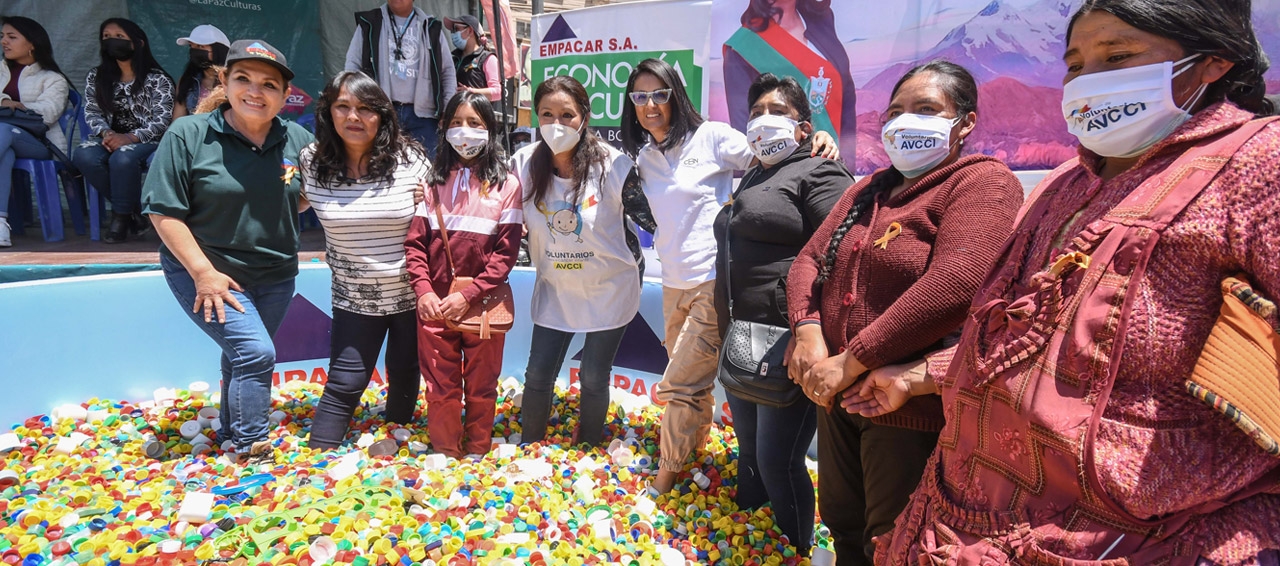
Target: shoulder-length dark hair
x=143, y=62
x=1222, y=28
x=490, y=166
x=788, y=87
x=684, y=117
x=589, y=154
x=39, y=39
x=389, y=146
x=760, y=13
x=192, y=74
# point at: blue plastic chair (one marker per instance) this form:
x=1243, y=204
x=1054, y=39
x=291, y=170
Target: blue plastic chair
x=44, y=181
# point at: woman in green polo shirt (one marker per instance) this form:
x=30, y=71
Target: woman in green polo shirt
x=224, y=195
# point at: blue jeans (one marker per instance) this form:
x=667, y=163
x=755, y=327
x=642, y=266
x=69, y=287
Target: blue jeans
x=425, y=130
x=547, y=349
x=15, y=143
x=772, y=442
x=117, y=174
x=248, y=354
x=354, y=344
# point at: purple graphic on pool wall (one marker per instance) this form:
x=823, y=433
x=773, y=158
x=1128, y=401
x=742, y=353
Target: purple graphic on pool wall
x=304, y=334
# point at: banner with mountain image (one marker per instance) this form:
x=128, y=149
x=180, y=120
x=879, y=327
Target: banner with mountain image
x=600, y=46
x=1013, y=48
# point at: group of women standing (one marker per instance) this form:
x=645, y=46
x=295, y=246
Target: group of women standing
x=1031, y=364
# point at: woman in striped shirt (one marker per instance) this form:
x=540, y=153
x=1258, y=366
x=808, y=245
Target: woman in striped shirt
x=360, y=176
x=479, y=201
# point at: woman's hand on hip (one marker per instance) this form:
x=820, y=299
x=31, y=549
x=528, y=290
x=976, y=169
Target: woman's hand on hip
x=429, y=307
x=453, y=306
x=887, y=389
x=808, y=347
x=213, y=292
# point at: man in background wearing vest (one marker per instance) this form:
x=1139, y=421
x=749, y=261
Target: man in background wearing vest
x=408, y=53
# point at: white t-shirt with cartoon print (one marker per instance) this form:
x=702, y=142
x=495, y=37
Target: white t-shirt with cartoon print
x=587, y=277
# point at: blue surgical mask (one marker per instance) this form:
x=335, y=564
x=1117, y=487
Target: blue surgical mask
x=458, y=41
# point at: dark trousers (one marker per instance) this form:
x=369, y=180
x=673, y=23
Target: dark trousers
x=866, y=474
x=117, y=174
x=354, y=345
x=425, y=130
x=772, y=442
x=547, y=349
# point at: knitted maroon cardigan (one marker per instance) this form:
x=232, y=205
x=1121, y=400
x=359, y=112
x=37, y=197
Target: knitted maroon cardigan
x=889, y=304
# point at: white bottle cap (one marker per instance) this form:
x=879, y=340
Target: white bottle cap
x=190, y=429
x=822, y=557
x=195, y=508
x=323, y=549
x=277, y=417
x=401, y=434
x=198, y=389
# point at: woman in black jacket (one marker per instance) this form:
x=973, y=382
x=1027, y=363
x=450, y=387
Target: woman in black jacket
x=777, y=207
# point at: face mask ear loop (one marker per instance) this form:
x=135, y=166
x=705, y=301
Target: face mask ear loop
x=1195, y=98
x=1191, y=57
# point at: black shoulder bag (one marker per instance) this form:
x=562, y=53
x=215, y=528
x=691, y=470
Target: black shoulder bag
x=751, y=358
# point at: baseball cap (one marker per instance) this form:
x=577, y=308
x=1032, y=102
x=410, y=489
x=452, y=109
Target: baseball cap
x=205, y=34
x=258, y=50
x=467, y=20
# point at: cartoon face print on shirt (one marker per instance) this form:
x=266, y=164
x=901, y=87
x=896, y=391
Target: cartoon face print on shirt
x=563, y=218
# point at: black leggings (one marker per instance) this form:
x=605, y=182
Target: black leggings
x=354, y=345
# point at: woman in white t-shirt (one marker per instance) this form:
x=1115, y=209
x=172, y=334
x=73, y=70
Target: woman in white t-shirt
x=583, y=251
x=686, y=167
x=360, y=176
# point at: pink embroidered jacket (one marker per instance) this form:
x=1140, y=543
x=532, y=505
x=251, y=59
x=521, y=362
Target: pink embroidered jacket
x=1159, y=450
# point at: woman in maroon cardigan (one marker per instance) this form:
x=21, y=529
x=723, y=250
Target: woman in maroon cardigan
x=885, y=278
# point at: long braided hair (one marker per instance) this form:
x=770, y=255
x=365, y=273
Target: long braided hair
x=881, y=183
x=960, y=87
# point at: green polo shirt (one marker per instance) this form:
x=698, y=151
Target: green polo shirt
x=240, y=201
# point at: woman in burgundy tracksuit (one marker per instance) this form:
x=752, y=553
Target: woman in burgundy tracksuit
x=480, y=203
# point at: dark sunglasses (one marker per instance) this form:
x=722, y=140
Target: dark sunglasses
x=660, y=96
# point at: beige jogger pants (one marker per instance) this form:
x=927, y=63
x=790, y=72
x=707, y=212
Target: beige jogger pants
x=693, y=347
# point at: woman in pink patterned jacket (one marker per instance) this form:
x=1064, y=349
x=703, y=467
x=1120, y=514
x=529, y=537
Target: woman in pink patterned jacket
x=1071, y=436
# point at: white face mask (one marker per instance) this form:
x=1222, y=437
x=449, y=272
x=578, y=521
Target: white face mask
x=917, y=143
x=559, y=139
x=772, y=138
x=468, y=142
x=1122, y=113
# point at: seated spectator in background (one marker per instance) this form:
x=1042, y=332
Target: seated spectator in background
x=477, y=65
x=30, y=79
x=207, y=54
x=360, y=178
x=128, y=106
x=394, y=45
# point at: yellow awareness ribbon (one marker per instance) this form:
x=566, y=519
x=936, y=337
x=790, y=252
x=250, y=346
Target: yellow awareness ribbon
x=894, y=231
x=1078, y=259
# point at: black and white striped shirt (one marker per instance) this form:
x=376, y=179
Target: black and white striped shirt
x=365, y=223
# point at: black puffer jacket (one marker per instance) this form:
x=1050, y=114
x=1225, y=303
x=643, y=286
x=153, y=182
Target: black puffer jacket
x=775, y=212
